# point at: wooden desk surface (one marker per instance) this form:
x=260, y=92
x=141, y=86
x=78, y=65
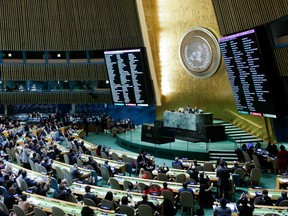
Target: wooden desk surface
x=85, y=172
x=117, y=194
x=173, y=185
x=47, y=203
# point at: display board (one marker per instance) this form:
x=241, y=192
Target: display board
x=129, y=77
x=252, y=72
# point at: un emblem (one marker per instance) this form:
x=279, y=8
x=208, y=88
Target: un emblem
x=199, y=53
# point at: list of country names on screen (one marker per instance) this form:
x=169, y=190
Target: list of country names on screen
x=245, y=70
x=126, y=76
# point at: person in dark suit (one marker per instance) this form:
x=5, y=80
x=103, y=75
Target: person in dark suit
x=283, y=197
x=47, y=164
x=10, y=199
x=223, y=180
x=41, y=188
x=62, y=193
x=222, y=209
x=141, y=160
x=90, y=195
x=243, y=208
x=145, y=201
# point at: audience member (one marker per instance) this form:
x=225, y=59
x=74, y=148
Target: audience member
x=62, y=193
x=177, y=162
x=263, y=199
x=185, y=188
x=223, y=180
x=87, y=211
x=142, y=174
x=222, y=209
x=10, y=198
x=146, y=202
x=141, y=160
x=24, y=204
x=205, y=194
x=165, y=187
x=283, y=197
x=109, y=196
x=282, y=157
x=90, y=195
x=243, y=208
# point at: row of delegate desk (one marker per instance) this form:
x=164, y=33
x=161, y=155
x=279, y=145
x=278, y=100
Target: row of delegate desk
x=47, y=203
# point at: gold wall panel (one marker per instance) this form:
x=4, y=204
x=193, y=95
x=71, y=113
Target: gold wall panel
x=167, y=21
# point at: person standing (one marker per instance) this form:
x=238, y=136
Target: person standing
x=223, y=180
x=282, y=157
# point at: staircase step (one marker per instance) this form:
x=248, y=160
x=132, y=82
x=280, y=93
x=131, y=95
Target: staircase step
x=224, y=158
x=248, y=140
x=231, y=126
x=240, y=135
x=235, y=132
x=232, y=129
x=244, y=137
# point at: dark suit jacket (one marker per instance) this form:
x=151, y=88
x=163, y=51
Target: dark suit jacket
x=9, y=200
x=223, y=176
x=92, y=197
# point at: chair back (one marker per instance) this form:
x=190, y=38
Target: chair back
x=283, y=203
x=32, y=165
x=158, y=187
x=246, y=157
x=141, y=186
x=186, y=200
x=145, y=210
x=3, y=190
x=68, y=179
x=65, y=171
x=89, y=202
x=129, y=168
x=208, y=167
x=9, y=152
x=258, y=201
x=4, y=208
x=79, y=162
x=23, y=185
x=93, y=153
x=180, y=178
x=54, y=183
x=168, y=195
x=149, y=174
x=104, y=173
x=39, y=212
x=107, y=204
x=80, y=149
x=18, y=210
x=103, y=155
x=59, y=173
x=37, y=167
x=43, y=170
x=127, y=210
x=96, y=177
x=126, y=184
x=236, y=179
x=56, y=211
x=231, y=190
x=115, y=156
x=241, y=173
x=124, y=158
x=176, y=166
x=162, y=177
x=114, y=183
x=66, y=159
x=19, y=163
x=256, y=161
x=255, y=175
x=72, y=198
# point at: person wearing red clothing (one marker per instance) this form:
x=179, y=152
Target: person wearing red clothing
x=142, y=174
x=152, y=190
x=282, y=157
x=165, y=187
